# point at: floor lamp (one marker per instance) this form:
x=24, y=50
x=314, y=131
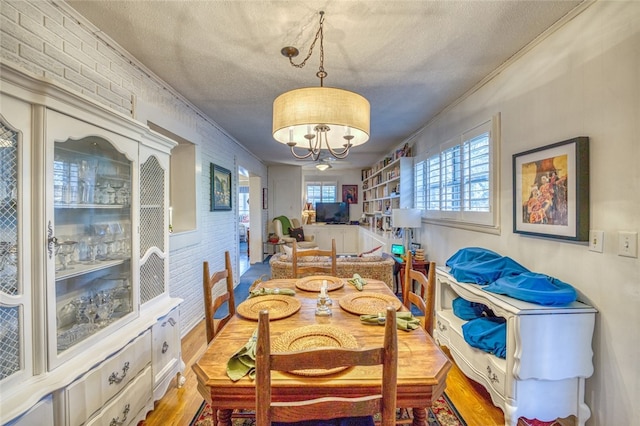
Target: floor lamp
x=406, y=219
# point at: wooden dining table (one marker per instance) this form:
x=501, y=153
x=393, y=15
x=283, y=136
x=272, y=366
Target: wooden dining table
x=422, y=366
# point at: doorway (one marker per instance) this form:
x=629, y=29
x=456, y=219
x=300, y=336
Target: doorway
x=243, y=220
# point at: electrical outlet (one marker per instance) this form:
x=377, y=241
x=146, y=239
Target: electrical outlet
x=596, y=241
x=628, y=244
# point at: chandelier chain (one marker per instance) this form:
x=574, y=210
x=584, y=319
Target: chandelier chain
x=319, y=35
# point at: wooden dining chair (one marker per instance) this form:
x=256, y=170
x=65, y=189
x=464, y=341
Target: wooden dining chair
x=422, y=297
x=342, y=410
x=299, y=268
x=211, y=305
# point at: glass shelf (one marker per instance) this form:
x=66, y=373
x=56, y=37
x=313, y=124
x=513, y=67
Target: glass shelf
x=92, y=238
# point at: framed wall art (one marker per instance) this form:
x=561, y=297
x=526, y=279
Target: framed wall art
x=350, y=194
x=265, y=199
x=551, y=190
x=220, y=188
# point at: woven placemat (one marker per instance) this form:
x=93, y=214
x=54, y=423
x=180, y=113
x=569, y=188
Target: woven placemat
x=279, y=306
x=368, y=303
x=314, y=337
x=314, y=282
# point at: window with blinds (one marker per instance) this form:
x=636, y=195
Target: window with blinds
x=456, y=183
x=321, y=192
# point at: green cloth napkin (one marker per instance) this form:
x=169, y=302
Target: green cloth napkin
x=266, y=291
x=404, y=320
x=243, y=362
x=357, y=281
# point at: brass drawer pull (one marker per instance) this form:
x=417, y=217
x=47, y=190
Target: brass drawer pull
x=116, y=421
x=113, y=378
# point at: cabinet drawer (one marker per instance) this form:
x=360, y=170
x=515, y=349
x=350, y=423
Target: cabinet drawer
x=166, y=345
x=126, y=407
x=442, y=330
x=489, y=369
x=86, y=395
x=40, y=414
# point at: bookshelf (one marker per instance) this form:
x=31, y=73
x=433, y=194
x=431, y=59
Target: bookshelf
x=388, y=185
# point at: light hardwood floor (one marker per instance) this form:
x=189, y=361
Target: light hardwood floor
x=178, y=406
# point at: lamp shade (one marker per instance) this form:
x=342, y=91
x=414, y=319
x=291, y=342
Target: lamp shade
x=406, y=218
x=296, y=113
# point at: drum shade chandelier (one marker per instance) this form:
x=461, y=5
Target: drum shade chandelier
x=326, y=117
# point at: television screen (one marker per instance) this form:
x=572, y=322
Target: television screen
x=332, y=212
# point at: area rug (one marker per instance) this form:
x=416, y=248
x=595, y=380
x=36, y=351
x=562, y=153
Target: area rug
x=441, y=413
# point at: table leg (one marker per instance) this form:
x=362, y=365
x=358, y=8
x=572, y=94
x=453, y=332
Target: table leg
x=224, y=417
x=419, y=417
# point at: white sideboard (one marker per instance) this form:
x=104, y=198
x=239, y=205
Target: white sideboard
x=549, y=352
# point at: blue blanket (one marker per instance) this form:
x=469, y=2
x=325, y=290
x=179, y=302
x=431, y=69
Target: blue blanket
x=481, y=266
x=502, y=275
x=535, y=288
x=488, y=334
x=467, y=310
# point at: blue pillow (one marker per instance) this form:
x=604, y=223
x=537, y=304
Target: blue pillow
x=536, y=288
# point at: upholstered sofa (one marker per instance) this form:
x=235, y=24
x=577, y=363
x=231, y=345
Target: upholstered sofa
x=375, y=267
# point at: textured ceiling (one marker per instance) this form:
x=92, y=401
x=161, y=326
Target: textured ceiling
x=410, y=59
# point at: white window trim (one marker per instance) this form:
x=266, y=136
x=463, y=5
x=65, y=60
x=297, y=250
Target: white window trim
x=488, y=222
x=321, y=183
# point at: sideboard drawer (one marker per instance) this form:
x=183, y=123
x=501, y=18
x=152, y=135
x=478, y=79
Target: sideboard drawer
x=488, y=367
x=40, y=414
x=129, y=406
x=166, y=345
x=86, y=395
x=442, y=330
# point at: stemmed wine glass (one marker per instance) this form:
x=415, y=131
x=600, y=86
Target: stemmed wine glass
x=118, y=235
x=105, y=307
x=66, y=249
x=91, y=310
x=109, y=241
x=100, y=233
x=92, y=242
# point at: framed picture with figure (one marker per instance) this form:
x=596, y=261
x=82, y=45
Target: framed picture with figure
x=551, y=190
x=350, y=194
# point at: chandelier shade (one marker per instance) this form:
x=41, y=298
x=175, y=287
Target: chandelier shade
x=319, y=118
x=297, y=113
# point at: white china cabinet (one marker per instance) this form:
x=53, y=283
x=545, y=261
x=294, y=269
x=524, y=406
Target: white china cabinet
x=88, y=331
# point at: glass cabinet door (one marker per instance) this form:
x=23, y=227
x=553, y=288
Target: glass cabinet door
x=10, y=313
x=16, y=297
x=90, y=241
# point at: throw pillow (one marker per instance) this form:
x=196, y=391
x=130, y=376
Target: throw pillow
x=375, y=252
x=288, y=251
x=286, y=225
x=297, y=233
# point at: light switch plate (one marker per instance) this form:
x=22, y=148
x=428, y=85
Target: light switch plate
x=596, y=241
x=628, y=244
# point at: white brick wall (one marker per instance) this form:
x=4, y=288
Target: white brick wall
x=48, y=41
